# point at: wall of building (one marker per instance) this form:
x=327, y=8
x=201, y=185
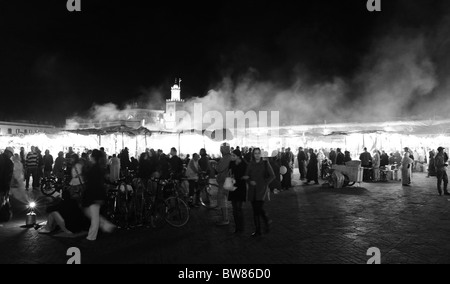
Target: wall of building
x=11, y=128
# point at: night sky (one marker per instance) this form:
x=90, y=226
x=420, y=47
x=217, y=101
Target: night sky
x=54, y=64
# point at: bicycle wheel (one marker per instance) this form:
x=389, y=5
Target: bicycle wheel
x=208, y=195
x=177, y=212
x=110, y=208
x=48, y=188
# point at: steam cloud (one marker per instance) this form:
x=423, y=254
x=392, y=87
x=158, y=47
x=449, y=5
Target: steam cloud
x=404, y=76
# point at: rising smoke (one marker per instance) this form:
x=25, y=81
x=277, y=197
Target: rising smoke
x=405, y=75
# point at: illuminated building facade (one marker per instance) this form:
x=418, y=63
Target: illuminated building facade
x=8, y=128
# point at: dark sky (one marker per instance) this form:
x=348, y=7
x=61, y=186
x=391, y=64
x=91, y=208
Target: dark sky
x=54, y=63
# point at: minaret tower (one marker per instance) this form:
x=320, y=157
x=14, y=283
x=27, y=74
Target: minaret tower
x=173, y=105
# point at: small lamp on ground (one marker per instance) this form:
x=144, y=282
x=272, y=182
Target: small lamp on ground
x=31, y=216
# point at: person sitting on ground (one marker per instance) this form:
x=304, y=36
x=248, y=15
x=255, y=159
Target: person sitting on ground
x=67, y=216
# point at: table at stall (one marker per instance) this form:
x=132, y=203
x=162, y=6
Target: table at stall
x=392, y=173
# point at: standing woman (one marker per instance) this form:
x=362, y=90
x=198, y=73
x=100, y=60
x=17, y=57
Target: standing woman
x=94, y=196
x=313, y=169
x=406, y=173
x=259, y=175
x=238, y=167
x=58, y=167
x=222, y=169
x=192, y=173
x=431, y=167
x=114, y=169
x=376, y=165
x=48, y=163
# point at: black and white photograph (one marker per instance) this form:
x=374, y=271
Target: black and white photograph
x=224, y=137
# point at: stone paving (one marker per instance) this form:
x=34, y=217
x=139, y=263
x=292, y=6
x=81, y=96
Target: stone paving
x=312, y=224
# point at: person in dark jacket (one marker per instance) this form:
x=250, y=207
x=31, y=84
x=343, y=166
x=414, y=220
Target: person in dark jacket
x=6, y=171
x=286, y=161
x=340, y=157
x=23, y=160
x=440, y=163
x=301, y=157
x=431, y=167
x=176, y=164
x=313, y=168
x=6, y=175
x=259, y=175
x=366, y=163
x=332, y=156
x=134, y=164
x=248, y=155
x=347, y=157
x=48, y=163
x=164, y=166
x=40, y=165
x=144, y=168
x=238, y=167
x=60, y=164
x=384, y=159
x=204, y=164
x=94, y=197
x=124, y=161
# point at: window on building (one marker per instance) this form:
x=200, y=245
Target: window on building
x=17, y=131
x=9, y=131
x=25, y=131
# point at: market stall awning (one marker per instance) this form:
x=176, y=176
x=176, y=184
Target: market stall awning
x=217, y=135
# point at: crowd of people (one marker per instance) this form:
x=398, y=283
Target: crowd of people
x=256, y=175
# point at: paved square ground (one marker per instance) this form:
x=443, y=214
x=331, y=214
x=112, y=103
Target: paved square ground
x=312, y=224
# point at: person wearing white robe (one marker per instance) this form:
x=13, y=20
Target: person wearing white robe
x=114, y=171
x=406, y=169
x=376, y=160
x=18, y=177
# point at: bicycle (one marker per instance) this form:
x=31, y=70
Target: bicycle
x=50, y=185
x=208, y=191
x=121, y=203
x=166, y=206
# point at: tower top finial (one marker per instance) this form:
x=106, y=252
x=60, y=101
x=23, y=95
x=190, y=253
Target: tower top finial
x=176, y=90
